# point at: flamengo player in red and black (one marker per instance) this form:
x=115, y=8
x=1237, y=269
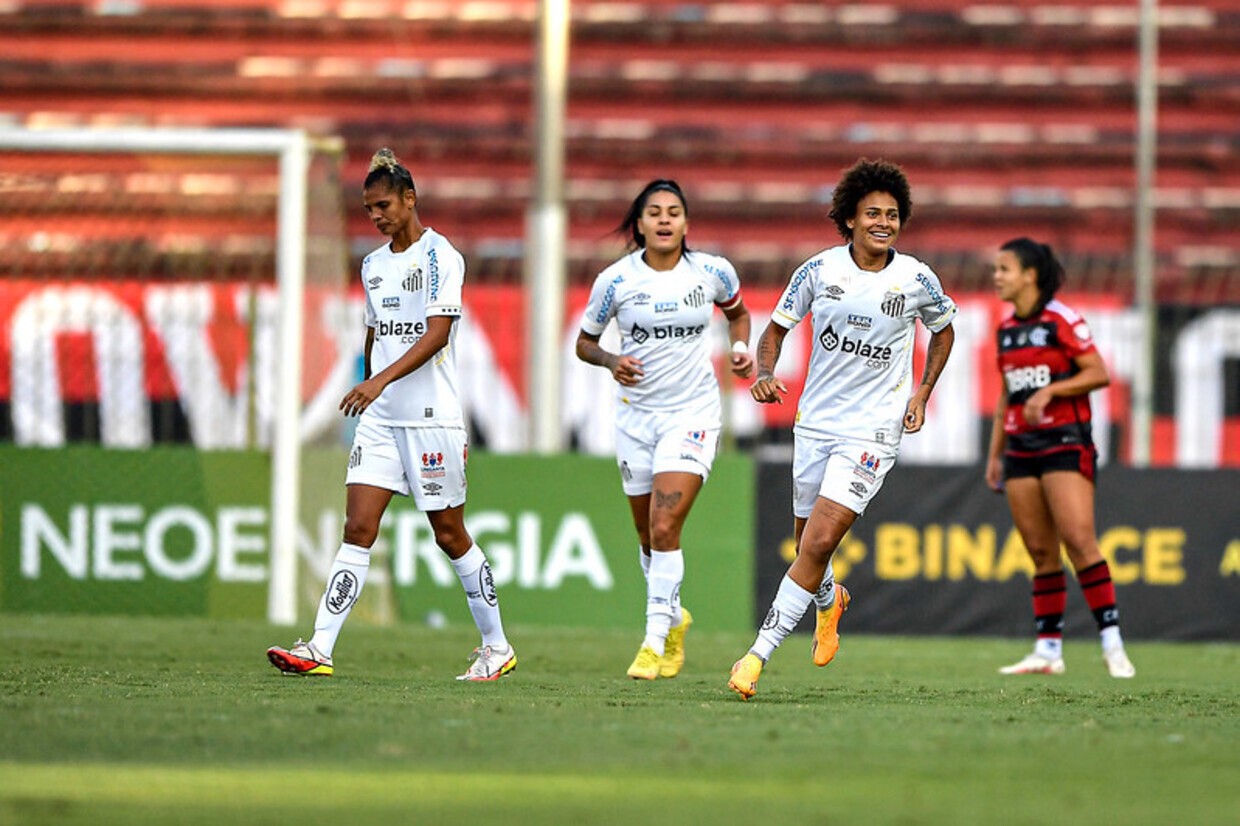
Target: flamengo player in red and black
x=1042, y=452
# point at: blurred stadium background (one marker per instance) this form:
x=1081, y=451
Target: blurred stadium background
x=152, y=275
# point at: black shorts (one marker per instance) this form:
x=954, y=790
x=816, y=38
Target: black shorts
x=1081, y=458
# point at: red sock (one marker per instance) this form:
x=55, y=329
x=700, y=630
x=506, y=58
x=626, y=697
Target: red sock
x=1050, y=599
x=1099, y=593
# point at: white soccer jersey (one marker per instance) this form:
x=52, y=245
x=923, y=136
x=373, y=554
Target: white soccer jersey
x=858, y=383
x=402, y=291
x=664, y=320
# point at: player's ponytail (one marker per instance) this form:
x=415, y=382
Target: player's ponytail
x=1042, y=259
x=386, y=169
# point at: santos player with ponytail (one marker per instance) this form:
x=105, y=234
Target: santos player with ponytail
x=662, y=297
x=411, y=436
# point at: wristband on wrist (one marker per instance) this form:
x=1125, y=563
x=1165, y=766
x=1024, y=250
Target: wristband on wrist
x=740, y=348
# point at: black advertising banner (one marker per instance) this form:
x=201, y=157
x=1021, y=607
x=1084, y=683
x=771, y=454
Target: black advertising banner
x=936, y=553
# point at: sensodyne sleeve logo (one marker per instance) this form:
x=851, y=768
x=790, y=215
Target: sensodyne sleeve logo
x=432, y=261
x=609, y=298
x=798, y=279
x=936, y=297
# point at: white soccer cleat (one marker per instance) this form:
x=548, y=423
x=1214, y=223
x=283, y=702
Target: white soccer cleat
x=1035, y=664
x=303, y=658
x=490, y=664
x=1118, y=663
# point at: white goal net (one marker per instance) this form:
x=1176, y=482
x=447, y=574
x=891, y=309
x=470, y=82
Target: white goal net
x=164, y=294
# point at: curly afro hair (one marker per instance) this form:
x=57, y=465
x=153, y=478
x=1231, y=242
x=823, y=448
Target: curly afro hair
x=862, y=178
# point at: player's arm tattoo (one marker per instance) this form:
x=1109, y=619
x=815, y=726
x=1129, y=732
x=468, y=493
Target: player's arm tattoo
x=591, y=352
x=936, y=356
x=768, y=355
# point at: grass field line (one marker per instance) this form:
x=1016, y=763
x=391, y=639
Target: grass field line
x=254, y=785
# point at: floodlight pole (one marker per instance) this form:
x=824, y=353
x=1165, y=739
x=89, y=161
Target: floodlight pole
x=1143, y=235
x=546, y=230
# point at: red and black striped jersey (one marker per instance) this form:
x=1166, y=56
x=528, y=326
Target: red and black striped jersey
x=1033, y=352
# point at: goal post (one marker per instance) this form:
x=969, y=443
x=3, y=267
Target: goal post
x=292, y=151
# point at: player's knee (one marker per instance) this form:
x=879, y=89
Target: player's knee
x=816, y=551
x=360, y=532
x=453, y=540
x=1082, y=553
x=1043, y=555
x=665, y=533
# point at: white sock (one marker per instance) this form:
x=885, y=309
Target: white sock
x=344, y=586
x=1049, y=647
x=667, y=571
x=1111, y=639
x=790, y=604
x=645, y=556
x=475, y=575
x=824, y=597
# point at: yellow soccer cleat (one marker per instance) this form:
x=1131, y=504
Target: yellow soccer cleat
x=745, y=673
x=827, y=633
x=646, y=664
x=674, y=648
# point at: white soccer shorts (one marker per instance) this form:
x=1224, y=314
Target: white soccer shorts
x=846, y=471
x=428, y=462
x=649, y=442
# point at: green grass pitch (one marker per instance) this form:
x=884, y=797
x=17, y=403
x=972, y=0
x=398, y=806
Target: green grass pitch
x=158, y=721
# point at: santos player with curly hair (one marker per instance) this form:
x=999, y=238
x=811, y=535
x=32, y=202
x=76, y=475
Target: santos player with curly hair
x=863, y=299
x=411, y=437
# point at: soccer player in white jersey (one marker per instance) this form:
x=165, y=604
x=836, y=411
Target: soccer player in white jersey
x=411, y=437
x=662, y=296
x=863, y=298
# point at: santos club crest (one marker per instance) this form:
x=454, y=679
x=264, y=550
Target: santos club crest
x=413, y=280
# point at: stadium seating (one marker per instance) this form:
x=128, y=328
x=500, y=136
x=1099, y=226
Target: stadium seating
x=1010, y=119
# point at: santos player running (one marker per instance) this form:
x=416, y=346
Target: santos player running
x=411, y=437
x=662, y=297
x=863, y=298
